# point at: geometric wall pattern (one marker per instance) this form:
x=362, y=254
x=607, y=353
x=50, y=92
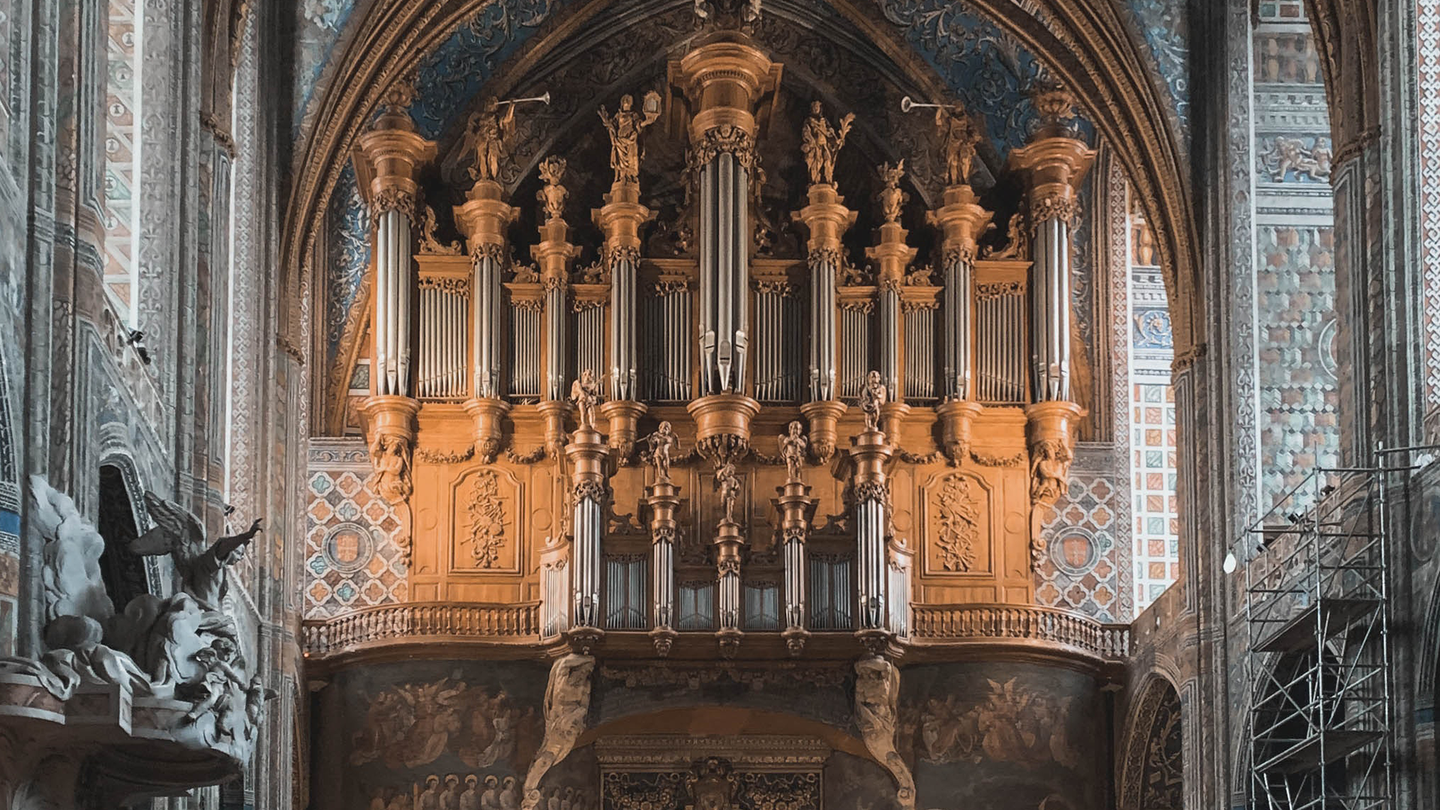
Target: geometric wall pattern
x=353, y=554
x=1156, y=533
x=1079, y=570
x=122, y=115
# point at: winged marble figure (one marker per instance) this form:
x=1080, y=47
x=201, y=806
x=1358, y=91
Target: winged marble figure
x=201, y=565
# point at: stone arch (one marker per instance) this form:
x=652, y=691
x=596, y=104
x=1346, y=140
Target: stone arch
x=1152, y=770
x=1345, y=34
x=1076, y=41
x=121, y=518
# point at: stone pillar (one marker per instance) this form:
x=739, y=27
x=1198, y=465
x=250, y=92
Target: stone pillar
x=587, y=453
x=1056, y=161
x=723, y=79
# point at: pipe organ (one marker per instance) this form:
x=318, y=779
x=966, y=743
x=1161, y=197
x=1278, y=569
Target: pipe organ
x=632, y=418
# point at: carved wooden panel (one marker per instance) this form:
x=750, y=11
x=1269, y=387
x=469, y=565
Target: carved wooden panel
x=486, y=507
x=957, y=515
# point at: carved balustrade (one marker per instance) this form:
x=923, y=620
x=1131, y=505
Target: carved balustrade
x=420, y=623
x=941, y=624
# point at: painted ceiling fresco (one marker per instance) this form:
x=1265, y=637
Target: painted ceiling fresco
x=972, y=55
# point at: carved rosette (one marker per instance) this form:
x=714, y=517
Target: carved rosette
x=823, y=416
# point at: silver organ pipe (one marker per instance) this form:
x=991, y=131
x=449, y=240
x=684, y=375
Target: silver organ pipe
x=958, y=311
x=1050, y=311
x=920, y=353
x=590, y=337
x=487, y=323
x=794, y=553
x=525, y=341
x=623, y=374
x=1001, y=373
x=554, y=587
x=823, y=272
x=555, y=341
x=777, y=332
x=588, y=542
x=724, y=285
x=890, y=340
x=870, y=534
x=855, y=324
x=663, y=577
x=444, y=311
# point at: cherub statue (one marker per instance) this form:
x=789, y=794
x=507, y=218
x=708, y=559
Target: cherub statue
x=491, y=129
x=390, y=456
x=212, y=690
x=872, y=398
x=625, y=128
x=727, y=482
x=792, y=448
x=821, y=143
x=891, y=197
x=960, y=139
x=662, y=443
x=552, y=195
x=202, y=566
x=256, y=696
x=585, y=394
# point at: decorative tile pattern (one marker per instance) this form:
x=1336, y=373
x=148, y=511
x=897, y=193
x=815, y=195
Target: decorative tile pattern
x=122, y=106
x=352, y=555
x=1079, y=572
x=1155, y=529
x=1299, y=394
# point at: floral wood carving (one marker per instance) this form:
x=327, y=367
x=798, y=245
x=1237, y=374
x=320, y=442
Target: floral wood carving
x=959, y=523
x=487, y=520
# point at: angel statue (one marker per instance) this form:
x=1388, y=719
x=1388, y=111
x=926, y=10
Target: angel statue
x=490, y=129
x=821, y=143
x=792, y=448
x=585, y=394
x=202, y=566
x=625, y=128
x=960, y=139
x=872, y=398
x=727, y=481
x=662, y=443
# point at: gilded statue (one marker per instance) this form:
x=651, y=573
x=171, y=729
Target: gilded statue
x=891, y=197
x=821, y=142
x=585, y=395
x=567, y=700
x=390, y=455
x=202, y=566
x=552, y=195
x=1049, y=470
x=662, y=443
x=960, y=139
x=491, y=129
x=712, y=785
x=727, y=483
x=625, y=128
x=792, y=449
x=872, y=398
x=877, y=695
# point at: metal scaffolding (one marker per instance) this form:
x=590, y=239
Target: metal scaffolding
x=1316, y=605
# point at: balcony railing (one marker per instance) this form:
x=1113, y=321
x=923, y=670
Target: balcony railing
x=943, y=623
x=420, y=622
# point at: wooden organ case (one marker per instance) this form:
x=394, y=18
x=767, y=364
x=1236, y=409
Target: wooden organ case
x=718, y=449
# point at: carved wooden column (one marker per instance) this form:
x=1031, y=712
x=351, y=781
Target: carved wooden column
x=724, y=78
x=484, y=218
x=826, y=219
x=962, y=220
x=587, y=453
x=553, y=256
x=1056, y=161
x=870, y=451
x=390, y=155
x=620, y=218
x=664, y=501
x=796, y=509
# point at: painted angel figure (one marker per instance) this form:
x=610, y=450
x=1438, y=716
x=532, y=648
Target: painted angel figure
x=491, y=129
x=960, y=139
x=821, y=142
x=585, y=394
x=727, y=481
x=625, y=128
x=872, y=399
x=202, y=566
x=662, y=443
x=792, y=448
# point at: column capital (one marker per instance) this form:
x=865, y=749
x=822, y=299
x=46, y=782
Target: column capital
x=1056, y=165
x=962, y=221
x=891, y=256
x=485, y=216
x=724, y=79
x=621, y=216
x=826, y=217
x=388, y=159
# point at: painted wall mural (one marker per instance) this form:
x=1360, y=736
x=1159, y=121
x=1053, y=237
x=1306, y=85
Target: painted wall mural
x=1004, y=737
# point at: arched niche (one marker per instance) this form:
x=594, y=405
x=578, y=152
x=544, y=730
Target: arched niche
x=1152, y=776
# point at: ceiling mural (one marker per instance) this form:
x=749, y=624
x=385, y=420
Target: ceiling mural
x=1166, y=29
x=318, y=24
